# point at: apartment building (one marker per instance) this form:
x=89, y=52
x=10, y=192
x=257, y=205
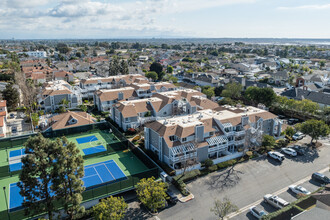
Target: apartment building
x=105, y=98
x=89, y=86
x=219, y=135
x=54, y=92
x=146, y=90
x=128, y=114
x=3, y=119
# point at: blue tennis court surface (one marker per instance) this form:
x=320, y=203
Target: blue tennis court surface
x=15, y=153
x=94, y=150
x=86, y=139
x=15, y=167
x=103, y=172
x=95, y=174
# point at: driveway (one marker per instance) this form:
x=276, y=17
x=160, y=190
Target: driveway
x=248, y=182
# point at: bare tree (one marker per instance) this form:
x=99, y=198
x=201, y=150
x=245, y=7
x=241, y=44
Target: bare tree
x=223, y=208
x=228, y=178
x=191, y=159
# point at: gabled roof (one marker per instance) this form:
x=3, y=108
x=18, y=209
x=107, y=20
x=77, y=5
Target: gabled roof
x=61, y=121
x=318, y=97
x=112, y=94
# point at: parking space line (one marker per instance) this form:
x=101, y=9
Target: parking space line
x=245, y=208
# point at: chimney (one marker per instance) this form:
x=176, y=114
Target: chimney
x=199, y=133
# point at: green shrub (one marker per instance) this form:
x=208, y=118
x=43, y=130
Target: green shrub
x=187, y=176
x=226, y=164
x=208, y=163
x=249, y=154
x=212, y=168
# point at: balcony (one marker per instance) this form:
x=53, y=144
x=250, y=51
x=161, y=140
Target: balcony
x=217, y=148
x=239, y=142
x=183, y=157
x=239, y=133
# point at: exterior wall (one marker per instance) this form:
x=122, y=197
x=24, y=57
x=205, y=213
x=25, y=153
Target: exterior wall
x=153, y=138
x=202, y=153
x=228, y=157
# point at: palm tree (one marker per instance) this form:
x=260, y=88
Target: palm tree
x=65, y=104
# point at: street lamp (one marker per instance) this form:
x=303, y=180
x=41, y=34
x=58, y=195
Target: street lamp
x=4, y=191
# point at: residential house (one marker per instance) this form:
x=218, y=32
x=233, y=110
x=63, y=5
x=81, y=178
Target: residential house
x=279, y=78
x=55, y=91
x=322, y=98
x=63, y=75
x=105, y=98
x=69, y=119
x=3, y=118
x=208, y=134
x=89, y=86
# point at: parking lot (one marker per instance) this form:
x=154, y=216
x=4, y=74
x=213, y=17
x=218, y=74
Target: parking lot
x=17, y=124
x=247, y=183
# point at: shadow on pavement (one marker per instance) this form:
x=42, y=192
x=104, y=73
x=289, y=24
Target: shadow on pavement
x=268, y=208
x=250, y=216
x=310, y=155
x=137, y=212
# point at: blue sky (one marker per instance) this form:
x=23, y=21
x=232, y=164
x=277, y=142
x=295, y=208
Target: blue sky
x=39, y=19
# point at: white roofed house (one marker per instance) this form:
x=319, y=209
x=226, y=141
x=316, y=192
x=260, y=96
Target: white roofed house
x=218, y=135
x=54, y=92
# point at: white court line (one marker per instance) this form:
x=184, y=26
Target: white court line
x=98, y=174
x=109, y=171
x=245, y=208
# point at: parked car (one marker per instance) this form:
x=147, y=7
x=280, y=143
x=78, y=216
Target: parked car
x=172, y=197
x=275, y=201
x=276, y=155
x=292, y=121
x=289, y=151
x=321, y=178
x=257, y=212
x=298, y=136
x=299, y=190
x=299, y=149
x=11, y=115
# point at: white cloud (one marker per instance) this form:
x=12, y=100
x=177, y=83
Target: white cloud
x=311, y=7
x=90, y=16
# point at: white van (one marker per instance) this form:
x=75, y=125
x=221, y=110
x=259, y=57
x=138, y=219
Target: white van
x=275, y=201
x=276, y=155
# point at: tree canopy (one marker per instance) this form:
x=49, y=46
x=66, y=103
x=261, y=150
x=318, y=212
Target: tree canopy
x=157, y=67
x=11, y=95
x=257, y=95
x=223, y=208
x=232, y=90
x=151, y=193
x=153, y=75
x=113, y=208
x=314, y=128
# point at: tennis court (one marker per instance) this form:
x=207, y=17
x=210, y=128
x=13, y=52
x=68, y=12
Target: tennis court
x=106, y=172
x=95, y=142
x=103, y=172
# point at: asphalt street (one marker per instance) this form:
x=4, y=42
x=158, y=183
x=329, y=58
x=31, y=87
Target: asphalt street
x=249, y=182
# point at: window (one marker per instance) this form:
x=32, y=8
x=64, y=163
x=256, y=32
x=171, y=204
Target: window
x=184, y=139
x=173, y=138
x=211, y=133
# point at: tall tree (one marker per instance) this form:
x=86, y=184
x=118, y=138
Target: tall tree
x=152, y=75
x=223, y=208
x=36, y=179
x=113, y=208
x=114, y=67
x=156, y=67
x=232, y=90
x=314, y=128
x=124, y=67
x=65, y=104
x=70, y=170
x=11, y=95
x=151, y=193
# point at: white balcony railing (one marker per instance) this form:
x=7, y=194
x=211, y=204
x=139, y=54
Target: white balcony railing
x=239, y=133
